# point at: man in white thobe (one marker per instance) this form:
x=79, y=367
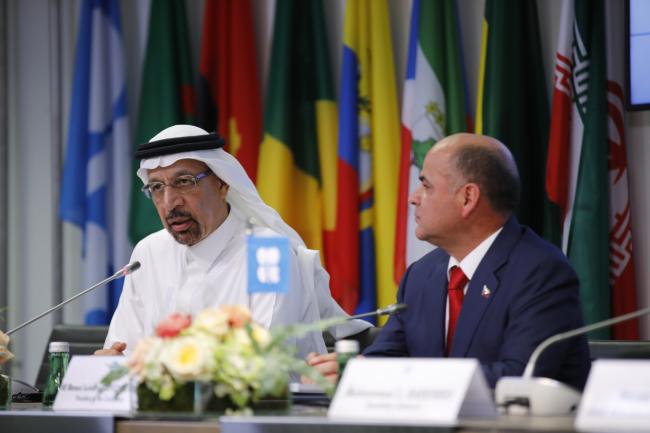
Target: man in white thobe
x=206, y=203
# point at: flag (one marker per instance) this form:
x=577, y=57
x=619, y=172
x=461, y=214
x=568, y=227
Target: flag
x=368, y=161
x=434, y=106
x=94, y=189
x=587, y=156
x=513, y=103
x=621, y=258
x=229, y=89
x=297, y=154
x=578, y=153
x=166, y=97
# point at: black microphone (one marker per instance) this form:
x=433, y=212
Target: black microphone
x=131, y=267
x=386, y=311
x=541, y=395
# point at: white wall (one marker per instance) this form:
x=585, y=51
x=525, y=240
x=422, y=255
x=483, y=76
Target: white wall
x=33, y=113
x=36, y=117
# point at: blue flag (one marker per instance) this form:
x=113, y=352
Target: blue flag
x=96, y=176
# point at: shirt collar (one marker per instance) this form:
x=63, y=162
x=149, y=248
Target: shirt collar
x=205, y=252
x=471, y=261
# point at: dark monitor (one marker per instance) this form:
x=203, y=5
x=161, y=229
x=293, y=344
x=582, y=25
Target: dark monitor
x=84, y=340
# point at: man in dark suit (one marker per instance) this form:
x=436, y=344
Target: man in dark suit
x=492, y=290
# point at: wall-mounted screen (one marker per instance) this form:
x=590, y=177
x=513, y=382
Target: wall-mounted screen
x=638, y=44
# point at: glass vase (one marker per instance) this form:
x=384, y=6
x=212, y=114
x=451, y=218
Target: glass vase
x=5, y=391
x=198, y=398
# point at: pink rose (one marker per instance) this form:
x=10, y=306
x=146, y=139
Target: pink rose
x=173, y=325
x=238, y=315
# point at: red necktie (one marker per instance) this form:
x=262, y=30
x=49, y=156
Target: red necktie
x=457, y=281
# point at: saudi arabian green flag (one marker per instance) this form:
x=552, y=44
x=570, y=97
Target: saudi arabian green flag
x=588, y=248
x=166, y=98
x=513, y=104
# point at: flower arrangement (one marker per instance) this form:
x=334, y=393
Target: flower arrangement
x=5, y=355
x=223, y=347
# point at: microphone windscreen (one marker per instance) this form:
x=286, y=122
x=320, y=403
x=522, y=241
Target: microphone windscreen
x=131, y=267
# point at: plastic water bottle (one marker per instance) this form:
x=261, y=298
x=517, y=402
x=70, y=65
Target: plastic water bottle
x=59, y=358
x=345, y=350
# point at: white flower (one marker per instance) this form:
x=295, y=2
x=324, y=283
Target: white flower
x=5, y=354
x=212, y=321
x=240, y=339
x=145, y=351
x=4, y=339
x=189, y=358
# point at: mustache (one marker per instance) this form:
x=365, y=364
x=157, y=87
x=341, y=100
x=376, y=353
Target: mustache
x=175, y=213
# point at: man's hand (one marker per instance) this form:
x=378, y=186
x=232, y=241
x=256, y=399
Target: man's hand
x=325, y=364
x=116, y=349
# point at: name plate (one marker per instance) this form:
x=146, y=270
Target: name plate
x=82, y=388
x=617, y=397
x=412, y=391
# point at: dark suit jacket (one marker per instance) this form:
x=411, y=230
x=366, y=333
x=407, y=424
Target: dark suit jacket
x=534, y=293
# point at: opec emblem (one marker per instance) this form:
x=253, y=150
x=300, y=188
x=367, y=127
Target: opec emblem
x=268, y=264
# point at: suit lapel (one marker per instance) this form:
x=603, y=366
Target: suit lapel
x=476, y=301
x=436, y=296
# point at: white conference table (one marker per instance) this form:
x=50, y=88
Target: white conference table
x=32, y=418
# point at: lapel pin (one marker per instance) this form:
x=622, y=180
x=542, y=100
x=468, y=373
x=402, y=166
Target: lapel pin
x=486, y=292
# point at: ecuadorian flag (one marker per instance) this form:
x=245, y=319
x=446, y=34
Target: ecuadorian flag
x=368, y=161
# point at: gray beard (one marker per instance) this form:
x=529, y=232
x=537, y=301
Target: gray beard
x=189, y=237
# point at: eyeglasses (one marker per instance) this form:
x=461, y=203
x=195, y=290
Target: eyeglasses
x=183, y=184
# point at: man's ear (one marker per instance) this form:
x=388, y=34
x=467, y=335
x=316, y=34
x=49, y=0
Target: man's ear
x=223, y=189
x=470, y=194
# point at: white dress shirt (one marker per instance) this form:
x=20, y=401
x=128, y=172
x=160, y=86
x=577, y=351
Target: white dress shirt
x=177, y=278
x=468, y=265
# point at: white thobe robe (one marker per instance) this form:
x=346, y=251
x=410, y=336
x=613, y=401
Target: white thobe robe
x=177, y=278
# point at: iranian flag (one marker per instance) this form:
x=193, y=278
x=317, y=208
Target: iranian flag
x=434, y=106
x=587, y=158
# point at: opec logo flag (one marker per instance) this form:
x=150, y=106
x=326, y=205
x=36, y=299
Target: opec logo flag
x=96, y=179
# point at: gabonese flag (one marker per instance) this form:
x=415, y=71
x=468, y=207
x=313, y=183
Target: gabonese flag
x=297, y=155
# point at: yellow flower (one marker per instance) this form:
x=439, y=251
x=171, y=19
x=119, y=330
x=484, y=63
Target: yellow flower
x=239, y=338
x=261, y=335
